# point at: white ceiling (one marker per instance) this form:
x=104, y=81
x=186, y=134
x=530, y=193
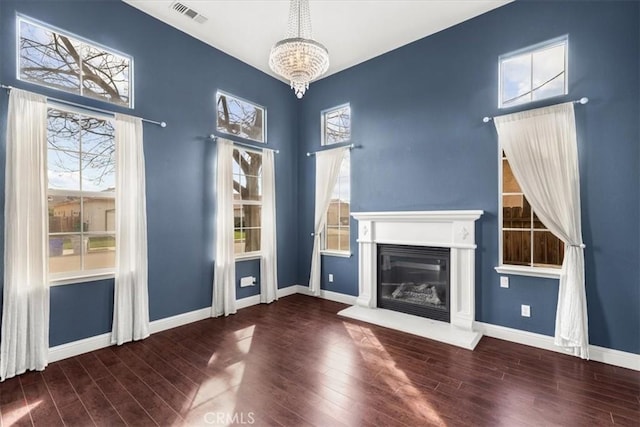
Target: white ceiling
x=352, y=30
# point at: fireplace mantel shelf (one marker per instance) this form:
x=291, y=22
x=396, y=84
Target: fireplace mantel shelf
x=419, y=216
x=453, y=229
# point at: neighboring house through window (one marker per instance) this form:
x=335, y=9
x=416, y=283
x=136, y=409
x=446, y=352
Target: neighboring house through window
x=81, y=145
x=58, y=60
x=81, y=195
x=336, y=128
x=247, y=201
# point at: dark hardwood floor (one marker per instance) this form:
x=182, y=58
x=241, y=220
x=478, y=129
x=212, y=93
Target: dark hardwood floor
x=296, y=363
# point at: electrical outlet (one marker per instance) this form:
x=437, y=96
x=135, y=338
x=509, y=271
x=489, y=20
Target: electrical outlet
x=247, y=281
x=330, y=278
x=525, y=310
x=504, y=281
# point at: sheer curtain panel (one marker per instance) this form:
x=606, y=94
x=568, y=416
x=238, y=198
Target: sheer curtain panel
x=25, y=311
x=224, y=277
x=542, y=149
x=327, y=171
x=131, y=297
x=268, y=246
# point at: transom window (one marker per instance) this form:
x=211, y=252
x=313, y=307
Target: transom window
x=534, y=73
x=81, y=194
x=52, y=58
x=336, y=125
x=236, y=116
x=525, y=239
x=337, y=229
x=247, y=201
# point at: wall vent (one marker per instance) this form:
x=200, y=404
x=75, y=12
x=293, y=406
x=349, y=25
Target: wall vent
x=185, y=10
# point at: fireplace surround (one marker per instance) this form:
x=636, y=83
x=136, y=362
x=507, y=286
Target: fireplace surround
x=439, y=229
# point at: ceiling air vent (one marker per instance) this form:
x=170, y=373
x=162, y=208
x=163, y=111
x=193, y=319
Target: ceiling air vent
x=188, y=12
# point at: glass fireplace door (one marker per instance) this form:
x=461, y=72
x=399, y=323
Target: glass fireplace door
x=414, y=280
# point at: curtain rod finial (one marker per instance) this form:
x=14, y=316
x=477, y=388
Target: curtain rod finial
x=486, y=119
x=163, y=124
x=583, y=100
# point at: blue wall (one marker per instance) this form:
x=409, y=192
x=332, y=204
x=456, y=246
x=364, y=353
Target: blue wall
x=417, y=114
x=176, y=78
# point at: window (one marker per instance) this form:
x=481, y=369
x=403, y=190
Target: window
x=525, y=240
x=81, y=195
x=534, y=73
x=247, y=201
x=238, y=117
x=337, y=230
x=336, y=125
x=57, y=60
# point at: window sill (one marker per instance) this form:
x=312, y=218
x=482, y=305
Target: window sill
x=337, y=253
x=248, y=257
x=81, y=279
x=547, y=273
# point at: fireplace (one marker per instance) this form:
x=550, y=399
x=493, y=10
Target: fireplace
x=449, y=231
x=414, y=280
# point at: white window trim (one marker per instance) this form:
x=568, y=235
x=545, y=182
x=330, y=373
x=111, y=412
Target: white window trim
x=264, y=117
x=80, y=276
x=519, y=270
x=530, y=49
x=340, y=254
x=323, y=114
x=245, y=256
x=57, y=30
x=323, y=237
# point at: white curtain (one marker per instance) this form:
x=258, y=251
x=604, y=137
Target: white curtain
x=542, y=150
x=328, y=164
x=268, y=247
x=224, y=278
x=25, y=310
x=131, y=296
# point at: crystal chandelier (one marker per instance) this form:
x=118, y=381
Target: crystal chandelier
x=298, y=57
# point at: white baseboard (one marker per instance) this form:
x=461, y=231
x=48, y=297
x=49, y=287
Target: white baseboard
x=247, y=302
x=545, y=342
x=289, y=290
x=75, y=348
x=329, y=295
x=86, y=345
x=179, y=320
x=255, y=299
x=598, y=354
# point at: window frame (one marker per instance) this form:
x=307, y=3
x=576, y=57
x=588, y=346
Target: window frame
x=253, y=254
x=323, y=124
x=323, y=248
x=35, y=22
x=79, y=276
x=520, y=270
x=256, y=105
x=557, y=41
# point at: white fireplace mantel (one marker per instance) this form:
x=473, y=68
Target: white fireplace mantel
x=450, y=229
